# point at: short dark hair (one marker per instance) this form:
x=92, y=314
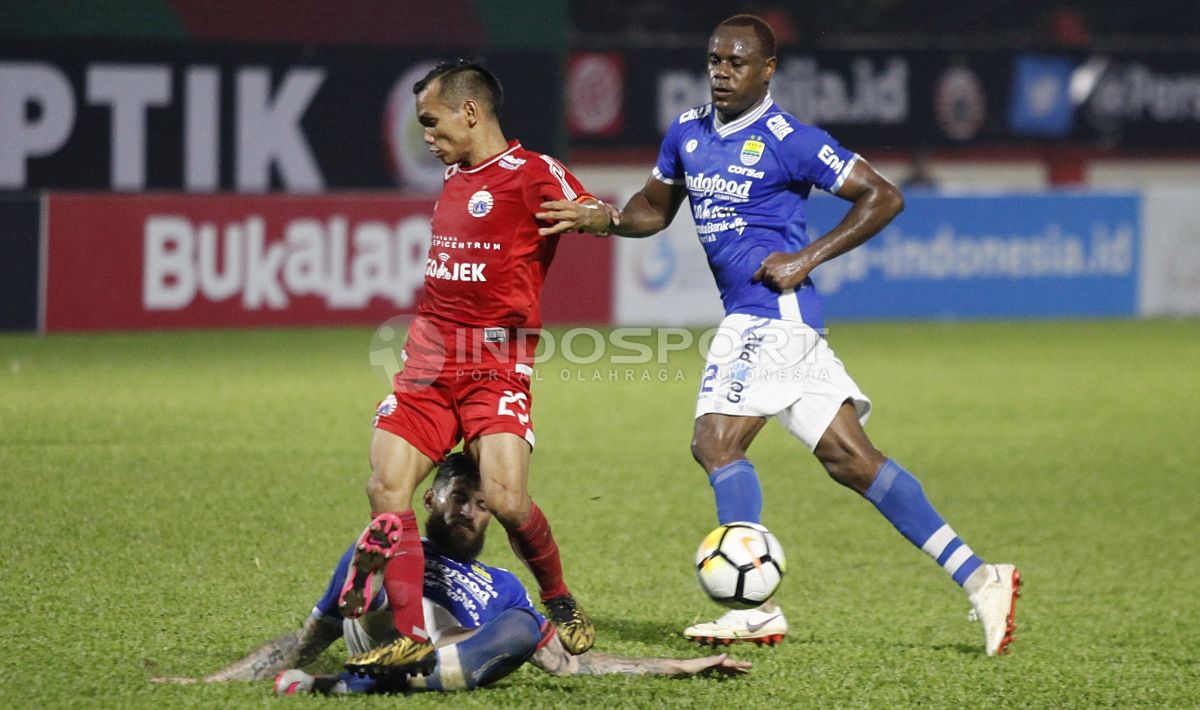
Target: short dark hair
x=762, y=31
x=463, y=79
x=457, y=465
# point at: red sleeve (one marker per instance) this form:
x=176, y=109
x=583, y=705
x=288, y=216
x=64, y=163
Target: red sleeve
x=547, y=179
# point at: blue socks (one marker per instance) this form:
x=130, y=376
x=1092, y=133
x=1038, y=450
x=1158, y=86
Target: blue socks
x=895, y=493
x=900, y=498
x=739, y=496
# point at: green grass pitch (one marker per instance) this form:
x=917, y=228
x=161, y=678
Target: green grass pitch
x=171, y=500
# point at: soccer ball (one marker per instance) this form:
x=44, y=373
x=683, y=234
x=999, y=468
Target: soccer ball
x=740, y=565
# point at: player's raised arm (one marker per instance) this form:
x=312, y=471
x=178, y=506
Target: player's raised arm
x=876, y=202
x=554, y=659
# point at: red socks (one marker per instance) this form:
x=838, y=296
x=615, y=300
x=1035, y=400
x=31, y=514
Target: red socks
x=534, y=544
x=404, y=580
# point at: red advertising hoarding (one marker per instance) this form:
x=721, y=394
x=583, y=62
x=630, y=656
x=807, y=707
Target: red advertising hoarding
x=125, y=262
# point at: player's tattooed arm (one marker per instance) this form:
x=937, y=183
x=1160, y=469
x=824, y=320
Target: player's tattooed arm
x=292, y=650
x=554, y=659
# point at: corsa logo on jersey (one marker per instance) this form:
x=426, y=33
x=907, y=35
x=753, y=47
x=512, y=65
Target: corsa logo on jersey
x=458, y=271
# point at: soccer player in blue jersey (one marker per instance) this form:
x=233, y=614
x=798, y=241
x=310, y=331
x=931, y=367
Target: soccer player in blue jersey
x=747, y=168
x=480, y=618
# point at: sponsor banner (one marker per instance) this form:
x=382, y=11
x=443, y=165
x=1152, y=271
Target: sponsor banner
x=1138, y=100
x=924, y=98
x=1170, y=272
x=19, y=261
x=135, y=116
x=173, y=261
x=864, y=98
x=989, y=256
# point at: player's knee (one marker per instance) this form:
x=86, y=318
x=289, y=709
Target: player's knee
x=854, y=470
x=711, y=451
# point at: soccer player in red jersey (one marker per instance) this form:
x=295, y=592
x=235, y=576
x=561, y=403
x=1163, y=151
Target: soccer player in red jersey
x=468, y=360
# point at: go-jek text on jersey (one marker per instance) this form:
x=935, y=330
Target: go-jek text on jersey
x=748, y=182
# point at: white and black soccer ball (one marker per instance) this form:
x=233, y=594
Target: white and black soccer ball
x=740, y=565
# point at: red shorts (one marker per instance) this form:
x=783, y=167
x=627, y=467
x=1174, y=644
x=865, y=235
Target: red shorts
x=458, y=384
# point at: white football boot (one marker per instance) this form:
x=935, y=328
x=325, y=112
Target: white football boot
x=995, y=606
x=762, y=625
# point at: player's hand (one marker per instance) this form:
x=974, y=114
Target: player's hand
x=782, y=270
x=568, y=216
x=721, y=664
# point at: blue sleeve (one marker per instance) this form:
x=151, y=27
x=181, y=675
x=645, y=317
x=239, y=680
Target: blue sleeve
x=669, y=168
x=815, y=157
x=515, y=595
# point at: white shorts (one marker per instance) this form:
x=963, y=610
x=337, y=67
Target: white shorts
x=762, y=367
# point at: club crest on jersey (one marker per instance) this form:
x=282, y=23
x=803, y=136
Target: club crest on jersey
x=480, y=203
x=386, y=407
x=752, y=152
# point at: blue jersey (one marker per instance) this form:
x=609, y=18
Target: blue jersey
x=473, y=593
x=748, y=182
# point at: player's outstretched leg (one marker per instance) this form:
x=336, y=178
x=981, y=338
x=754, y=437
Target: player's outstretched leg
x=533, y=543
x=764, y=625
x=393, y=543
x=496, y=649
x=992, y=589
x=379, y=543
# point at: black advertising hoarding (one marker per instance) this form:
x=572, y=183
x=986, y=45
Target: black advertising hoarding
x=865, y=99
x=904, y=99
x=19, y=261
x=245, y=118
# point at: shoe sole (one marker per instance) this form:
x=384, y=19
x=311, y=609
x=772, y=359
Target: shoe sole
x=1011, y=622
x=381, y=671
x=369, y=558
x=714, y=641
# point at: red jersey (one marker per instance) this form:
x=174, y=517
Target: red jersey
x=487, y=262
